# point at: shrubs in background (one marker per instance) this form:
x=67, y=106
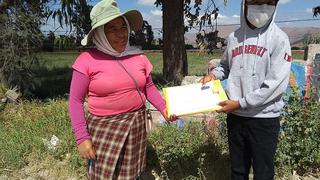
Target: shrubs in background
x=192, y=152
x=299, y=146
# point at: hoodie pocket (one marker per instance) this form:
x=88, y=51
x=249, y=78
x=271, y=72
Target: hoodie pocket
x=275, y=107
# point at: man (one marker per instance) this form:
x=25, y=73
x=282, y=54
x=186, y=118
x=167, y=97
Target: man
x=257, y=65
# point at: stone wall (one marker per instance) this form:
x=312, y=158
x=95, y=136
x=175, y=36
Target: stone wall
x=311, y=52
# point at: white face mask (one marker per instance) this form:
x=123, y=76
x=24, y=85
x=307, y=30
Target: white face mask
x=259, y=15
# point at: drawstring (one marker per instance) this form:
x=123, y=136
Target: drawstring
x=255, y=57
x=243, y=47
x=268, y=49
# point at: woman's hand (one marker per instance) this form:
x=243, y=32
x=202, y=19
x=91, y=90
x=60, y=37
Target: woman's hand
x=86, y=150
x=229, y=106
x=207, y=78
x=167, y=117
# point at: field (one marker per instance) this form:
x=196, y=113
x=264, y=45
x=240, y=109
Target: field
x=54, y=73
x=27, y=127
x=197, y=64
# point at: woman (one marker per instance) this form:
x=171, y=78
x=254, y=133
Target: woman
x=117, y=79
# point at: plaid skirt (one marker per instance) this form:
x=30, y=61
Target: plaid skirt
x=120, y=144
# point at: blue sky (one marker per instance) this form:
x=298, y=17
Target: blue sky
x=288, y=10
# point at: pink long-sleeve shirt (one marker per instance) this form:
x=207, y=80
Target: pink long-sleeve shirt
x=109, y=88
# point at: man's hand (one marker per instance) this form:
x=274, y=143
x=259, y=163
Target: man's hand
x=86, y=150
x=229, y=106
x=207, y=78
x=167, y=117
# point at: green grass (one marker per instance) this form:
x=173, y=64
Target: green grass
x=197, y=64
x=56, y=60
x=54, y=74
x=297, y=54
x=27, y=126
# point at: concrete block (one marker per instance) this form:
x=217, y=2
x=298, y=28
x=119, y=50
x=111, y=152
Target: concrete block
x=312, y=50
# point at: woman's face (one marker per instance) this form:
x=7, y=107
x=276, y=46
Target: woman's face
x=117, y=34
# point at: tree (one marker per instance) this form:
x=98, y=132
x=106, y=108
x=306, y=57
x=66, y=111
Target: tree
x=80, y=19
x=48, y=42
x=64, y=42
x=20, y=38
x=175, y=65
x=316, y=11
x=143, y=37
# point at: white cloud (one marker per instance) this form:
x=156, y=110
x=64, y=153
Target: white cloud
x=284, y=1
x=236, y=16
x=234, y=19
x=309, y=10
x=154, y=18
x=146, y=2
x=156, y=12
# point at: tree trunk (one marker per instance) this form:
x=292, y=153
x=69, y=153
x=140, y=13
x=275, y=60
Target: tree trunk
x=175, y=65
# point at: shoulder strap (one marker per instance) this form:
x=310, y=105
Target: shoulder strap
x=134, y=81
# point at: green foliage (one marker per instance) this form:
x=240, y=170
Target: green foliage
x=180, y=145
x=192, y=11
x=316, y=11
x=64, y=42
x=311, y=39
x=299, y=146
x=27, y=127
x=3, y=90
x=48, y=42
x=143, y=37
x=192, y=152
x=81, y=19
x=209, y=40
x=20, y=38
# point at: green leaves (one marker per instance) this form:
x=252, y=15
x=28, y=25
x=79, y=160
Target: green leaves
x=20, y=39
x=299, y=139
x=316, y=11
x=184, y=153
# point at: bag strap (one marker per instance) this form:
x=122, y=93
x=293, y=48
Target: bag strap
x=134, y=81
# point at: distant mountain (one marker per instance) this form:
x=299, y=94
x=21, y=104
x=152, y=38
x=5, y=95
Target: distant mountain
x=296, y=34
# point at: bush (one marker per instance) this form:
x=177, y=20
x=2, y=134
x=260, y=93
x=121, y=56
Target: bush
x=299, y=146
x=192, y=152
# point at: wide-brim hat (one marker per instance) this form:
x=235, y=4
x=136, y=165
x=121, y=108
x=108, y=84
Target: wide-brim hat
x=106, y=11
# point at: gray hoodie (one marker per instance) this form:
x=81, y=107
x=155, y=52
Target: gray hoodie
x=257, y=65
